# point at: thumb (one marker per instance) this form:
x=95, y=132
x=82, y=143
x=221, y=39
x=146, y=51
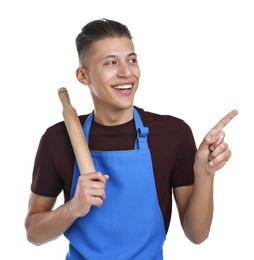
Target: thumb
x=209, y=140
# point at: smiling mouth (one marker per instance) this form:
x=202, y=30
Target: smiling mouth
x=123, y=87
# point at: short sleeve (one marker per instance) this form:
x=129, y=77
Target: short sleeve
x=183, y=173
x=45, y=180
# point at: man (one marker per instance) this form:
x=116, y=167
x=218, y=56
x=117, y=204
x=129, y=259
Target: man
x=123, y=210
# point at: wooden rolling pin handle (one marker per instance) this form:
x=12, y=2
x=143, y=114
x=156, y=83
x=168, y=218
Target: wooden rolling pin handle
x=76, y=134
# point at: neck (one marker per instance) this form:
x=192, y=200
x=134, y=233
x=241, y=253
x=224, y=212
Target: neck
x=114, y=117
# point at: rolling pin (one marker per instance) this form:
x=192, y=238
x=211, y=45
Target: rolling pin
x=76, y=134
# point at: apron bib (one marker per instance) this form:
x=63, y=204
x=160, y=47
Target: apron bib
x=129, y=225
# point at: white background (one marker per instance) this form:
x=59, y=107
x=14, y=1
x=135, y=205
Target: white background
x=197, y=62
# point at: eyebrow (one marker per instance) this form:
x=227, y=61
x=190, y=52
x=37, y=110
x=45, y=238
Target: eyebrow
x=113, y=56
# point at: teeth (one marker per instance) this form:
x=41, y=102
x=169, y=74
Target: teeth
x=123, y=87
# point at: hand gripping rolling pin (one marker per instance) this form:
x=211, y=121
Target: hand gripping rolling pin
x=76, y=134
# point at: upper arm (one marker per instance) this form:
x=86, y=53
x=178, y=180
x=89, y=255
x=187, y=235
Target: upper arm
x=38, y=203
x=182, y=197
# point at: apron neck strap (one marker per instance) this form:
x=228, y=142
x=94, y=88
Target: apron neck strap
x=142, y=132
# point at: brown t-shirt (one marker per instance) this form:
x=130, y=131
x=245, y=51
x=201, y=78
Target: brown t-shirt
x=170, y=140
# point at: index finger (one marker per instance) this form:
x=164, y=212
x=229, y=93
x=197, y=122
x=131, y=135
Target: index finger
x=223, y=122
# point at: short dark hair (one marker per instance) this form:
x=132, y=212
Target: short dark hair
x=98, y=30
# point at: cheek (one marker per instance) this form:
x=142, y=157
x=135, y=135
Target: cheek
x=99, y=83
x=136, y=72
x=102, y=77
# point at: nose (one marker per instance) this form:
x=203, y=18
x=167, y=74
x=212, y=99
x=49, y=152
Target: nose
x=124, y=70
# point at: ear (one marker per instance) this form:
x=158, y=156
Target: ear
x=82, y=76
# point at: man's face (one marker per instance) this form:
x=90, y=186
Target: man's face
x=112, y=74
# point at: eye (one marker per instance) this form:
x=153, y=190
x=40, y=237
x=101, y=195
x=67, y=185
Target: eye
x=110, y=62
x=133, y=60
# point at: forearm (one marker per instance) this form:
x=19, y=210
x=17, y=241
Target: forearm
x=43, y=227
x=199, y=213
x=212, y=154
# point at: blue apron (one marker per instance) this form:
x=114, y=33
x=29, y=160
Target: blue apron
x=129, y=225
